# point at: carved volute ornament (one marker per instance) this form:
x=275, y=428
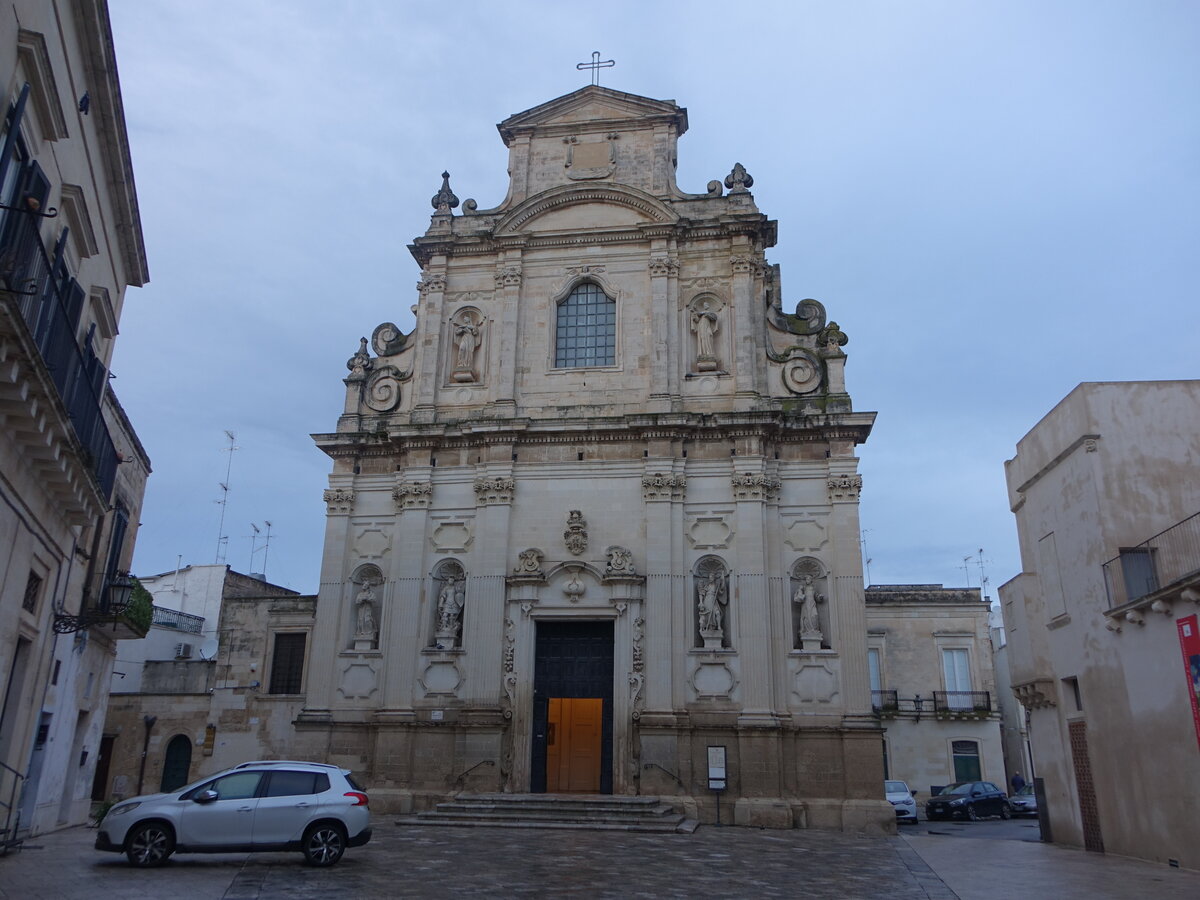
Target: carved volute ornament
x=529, y=563
x=620, y=562
x=575, y=537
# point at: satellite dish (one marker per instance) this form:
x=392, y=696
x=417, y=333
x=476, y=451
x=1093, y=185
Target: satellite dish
x=208, y=650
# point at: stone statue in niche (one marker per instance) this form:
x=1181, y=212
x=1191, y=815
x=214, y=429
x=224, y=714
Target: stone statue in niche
x=705, y=324
x=366, y=619
x=451, y=600
x=807, y=598
x=467, y=327
x=711, y=601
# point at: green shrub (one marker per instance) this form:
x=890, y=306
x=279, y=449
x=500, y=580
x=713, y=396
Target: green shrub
x=140, y=612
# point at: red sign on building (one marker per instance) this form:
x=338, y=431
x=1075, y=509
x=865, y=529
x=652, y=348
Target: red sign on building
x=1189, y=641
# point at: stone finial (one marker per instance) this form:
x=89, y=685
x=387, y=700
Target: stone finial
x=739, y=181
x=444, y=200
x=832, y=339
x=360, y=362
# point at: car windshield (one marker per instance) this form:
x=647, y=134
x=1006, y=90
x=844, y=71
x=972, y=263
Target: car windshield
x=1026, y=791
x=964, y=788
x=895, y=787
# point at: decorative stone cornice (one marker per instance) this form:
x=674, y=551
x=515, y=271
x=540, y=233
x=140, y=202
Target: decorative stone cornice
x=664, y=265
x=413, y=494
x=508, y=276
x=339, y=501
x=755, y=486
x=663, y=486
x=498, y=489
x=845, y=487
x=1035, y=694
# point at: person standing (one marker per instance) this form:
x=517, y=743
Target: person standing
x=1017, y=782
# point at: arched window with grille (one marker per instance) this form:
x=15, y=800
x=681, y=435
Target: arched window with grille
x=586, y=330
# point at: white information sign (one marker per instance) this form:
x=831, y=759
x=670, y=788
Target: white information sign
x=716, y=768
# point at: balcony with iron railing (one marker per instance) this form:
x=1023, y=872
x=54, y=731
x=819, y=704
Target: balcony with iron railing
x=885, y=701
x=180, y=621
x=1155, y=569
x=50, y=303
x=948, y=704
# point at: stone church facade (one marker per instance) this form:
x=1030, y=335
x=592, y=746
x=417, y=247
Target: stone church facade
x=598, y=512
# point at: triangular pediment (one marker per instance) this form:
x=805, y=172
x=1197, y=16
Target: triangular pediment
x=593, y=104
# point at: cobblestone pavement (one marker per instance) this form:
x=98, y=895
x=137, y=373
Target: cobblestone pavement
x=713, y=862
x=495, y=862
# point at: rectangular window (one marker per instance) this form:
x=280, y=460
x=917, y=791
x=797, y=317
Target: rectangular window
x=956, y=666
x=1137, y=571
x=873, y=663
x=287, y=664
x=33, y=590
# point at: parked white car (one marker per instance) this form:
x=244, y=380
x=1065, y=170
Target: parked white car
x=315, y=808
x=902, y=800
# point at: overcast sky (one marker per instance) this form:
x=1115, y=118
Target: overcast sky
x=996, y=201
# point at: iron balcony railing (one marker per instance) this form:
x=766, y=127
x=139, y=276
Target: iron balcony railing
x=1168, y=557
x=962, y=702
x=885, y=701
x=51, y=302
x=180, y=621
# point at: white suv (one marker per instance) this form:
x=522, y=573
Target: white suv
x=263, y=805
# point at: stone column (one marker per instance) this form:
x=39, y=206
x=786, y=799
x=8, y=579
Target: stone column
x=664, y=350
x=663, y=491
x=407, y=630
x=752, y=639
x=508, y=305
x=429, y=324
x=745, y=341
x=483, y=618
x=847, y=603
x=322, y=673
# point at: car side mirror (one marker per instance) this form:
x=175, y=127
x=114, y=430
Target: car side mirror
x=914, y=793
x=206, y=796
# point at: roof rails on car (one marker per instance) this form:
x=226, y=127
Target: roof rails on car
x=284, y=762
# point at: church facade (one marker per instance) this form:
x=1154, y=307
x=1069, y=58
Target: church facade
x=597, y=514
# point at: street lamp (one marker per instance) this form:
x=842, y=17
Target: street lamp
x=117, y=592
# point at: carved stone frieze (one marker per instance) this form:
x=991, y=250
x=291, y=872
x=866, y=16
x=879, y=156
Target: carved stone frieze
x=432, y=282
x=510, y=675
x=620, y=561
x=741, y=264
x=508, y=276
x=663, y=486
x=664, y=265
x=845, y=487
x=590, y=269
x=493, y=490
x=576, y=537
x=529, y=563
x=1036, y=694
x=637, y=675
x=755, y=486
x=413, y=494
x=339, y=501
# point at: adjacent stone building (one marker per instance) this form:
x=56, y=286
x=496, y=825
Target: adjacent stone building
x=598, y=513
x=72, y=471
x=933, y=686
x=1102, y=627
x=195, y=696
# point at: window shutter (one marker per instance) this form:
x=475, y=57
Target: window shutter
x=14, y=129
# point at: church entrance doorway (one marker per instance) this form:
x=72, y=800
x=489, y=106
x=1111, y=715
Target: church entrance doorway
x=572, y=708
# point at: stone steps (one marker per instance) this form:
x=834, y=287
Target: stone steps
x=579, y=811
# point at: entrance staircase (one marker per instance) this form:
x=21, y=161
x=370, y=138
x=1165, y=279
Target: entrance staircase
x=596, y=812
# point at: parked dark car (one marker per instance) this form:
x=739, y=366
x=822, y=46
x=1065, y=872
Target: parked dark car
x=970, y=800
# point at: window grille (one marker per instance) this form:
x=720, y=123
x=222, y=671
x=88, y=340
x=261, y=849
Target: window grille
x=586, y=332
x=287, y=664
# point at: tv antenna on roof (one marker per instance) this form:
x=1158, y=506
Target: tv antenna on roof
x=222, y=538
x=255, y=548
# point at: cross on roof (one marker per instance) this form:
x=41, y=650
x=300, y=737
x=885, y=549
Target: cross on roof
x=596, y=65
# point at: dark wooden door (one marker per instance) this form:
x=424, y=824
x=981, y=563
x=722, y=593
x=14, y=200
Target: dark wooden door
x=176, y=764
x=574, y=660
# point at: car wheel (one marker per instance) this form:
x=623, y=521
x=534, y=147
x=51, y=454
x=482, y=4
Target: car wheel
x=324, y=845
x=1005, y=811
x=971, y=814
x=149, y=845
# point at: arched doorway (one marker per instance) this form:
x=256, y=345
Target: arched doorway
x=176, y=763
